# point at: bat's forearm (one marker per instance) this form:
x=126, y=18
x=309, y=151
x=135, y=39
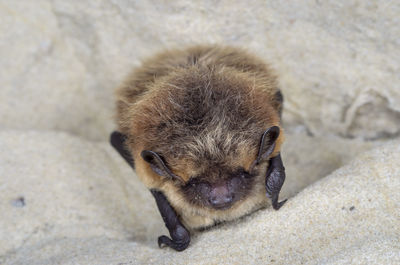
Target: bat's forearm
x=180, y=236
x=274, y=180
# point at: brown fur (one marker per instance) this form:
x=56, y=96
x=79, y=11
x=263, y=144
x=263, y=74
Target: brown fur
x=201, y=108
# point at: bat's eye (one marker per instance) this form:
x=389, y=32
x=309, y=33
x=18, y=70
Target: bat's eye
x=244, y=174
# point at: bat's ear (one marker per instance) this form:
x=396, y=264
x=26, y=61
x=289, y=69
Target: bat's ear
x=267, y=144
x=157, y=165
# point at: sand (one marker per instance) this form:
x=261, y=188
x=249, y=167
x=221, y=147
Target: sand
x=83, y=204
x=66, y=197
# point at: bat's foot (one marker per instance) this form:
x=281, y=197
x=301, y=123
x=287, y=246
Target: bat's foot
x=180, y=239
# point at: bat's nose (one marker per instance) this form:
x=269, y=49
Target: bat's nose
x=221, y=197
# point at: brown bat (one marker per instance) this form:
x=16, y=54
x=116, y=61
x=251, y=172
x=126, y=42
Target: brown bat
x=201, y=127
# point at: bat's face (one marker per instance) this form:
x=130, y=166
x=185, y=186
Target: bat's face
x=220, y=182
x=219, y=193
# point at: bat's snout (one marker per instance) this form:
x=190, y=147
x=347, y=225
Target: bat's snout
x=221, y=197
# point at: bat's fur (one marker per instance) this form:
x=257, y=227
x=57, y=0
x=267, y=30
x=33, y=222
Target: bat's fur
x=203, y=109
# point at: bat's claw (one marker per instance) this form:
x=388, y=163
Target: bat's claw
x=179, y=242
x=275, y=204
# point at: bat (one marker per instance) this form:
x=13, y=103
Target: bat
x=201, y=126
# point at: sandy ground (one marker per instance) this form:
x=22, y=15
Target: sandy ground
x=82, y=204
x=66, y=197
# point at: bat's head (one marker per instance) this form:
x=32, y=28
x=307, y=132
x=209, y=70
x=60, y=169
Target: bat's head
x=216, y=177
x=206, y=131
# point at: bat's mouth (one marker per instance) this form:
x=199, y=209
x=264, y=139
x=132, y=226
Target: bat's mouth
x=222, y=206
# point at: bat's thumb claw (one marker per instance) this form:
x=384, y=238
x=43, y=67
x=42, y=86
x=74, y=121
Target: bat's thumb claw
x=164, y=241
x=279, y=204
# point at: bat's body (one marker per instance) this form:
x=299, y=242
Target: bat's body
x=201, y=127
